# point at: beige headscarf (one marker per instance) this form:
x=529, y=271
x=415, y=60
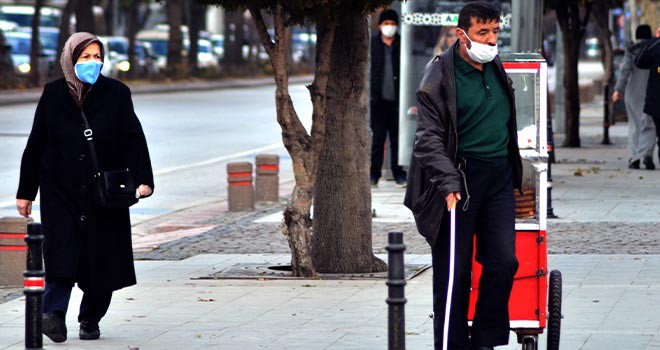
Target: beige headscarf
x=73, y=47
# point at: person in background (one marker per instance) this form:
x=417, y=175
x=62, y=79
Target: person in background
x=649, y=58
x=384, y=116
x=632, y=83
x=85, y=244
x=446, y=40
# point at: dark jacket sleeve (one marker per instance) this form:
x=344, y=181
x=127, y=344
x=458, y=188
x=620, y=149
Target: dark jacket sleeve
x=135, y=147
x=650, y=56
x=34, y=150
x=430, y=147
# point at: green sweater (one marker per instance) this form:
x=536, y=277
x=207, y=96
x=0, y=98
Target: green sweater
x=482, y=110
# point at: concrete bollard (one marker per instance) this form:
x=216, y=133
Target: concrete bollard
x=267, y=181
x=33, y=287
x=12, y=250
x=396, y=299
x=240, y=190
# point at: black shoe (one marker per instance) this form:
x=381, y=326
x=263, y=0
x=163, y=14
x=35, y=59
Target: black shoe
x=89, y=330
x=54, y=327
x=485, y=348
x=648, y=163
x=401, y=182
x=374, y=182
x=633, y=164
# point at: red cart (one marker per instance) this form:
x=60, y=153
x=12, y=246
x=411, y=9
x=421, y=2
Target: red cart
x=535, y=301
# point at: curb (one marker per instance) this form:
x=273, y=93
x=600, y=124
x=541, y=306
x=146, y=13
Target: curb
x=13, y=97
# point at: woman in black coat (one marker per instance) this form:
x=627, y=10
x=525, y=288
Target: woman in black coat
x=84, y=244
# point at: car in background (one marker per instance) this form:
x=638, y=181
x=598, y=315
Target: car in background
x=20, y=54
x=48, y=37
x=146, y=60
x=22, y=15
x=591, y=47
x=8, y=26
x=218, y=42
x=206, y=58
x=109, y=64
x=158, y=42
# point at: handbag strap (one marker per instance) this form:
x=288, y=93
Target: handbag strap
x=87, y=133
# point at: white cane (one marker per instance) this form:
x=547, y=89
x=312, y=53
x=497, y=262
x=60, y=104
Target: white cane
x=450, y=285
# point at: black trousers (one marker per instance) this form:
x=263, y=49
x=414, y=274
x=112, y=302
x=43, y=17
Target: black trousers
x=490, y=215
x=656, y=121
x=56, y=300
x=384, y=121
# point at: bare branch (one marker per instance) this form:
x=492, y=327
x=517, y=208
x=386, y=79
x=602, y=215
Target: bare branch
x=266, y=41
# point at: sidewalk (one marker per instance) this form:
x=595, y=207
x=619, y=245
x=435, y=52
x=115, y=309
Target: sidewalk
x=609, y=295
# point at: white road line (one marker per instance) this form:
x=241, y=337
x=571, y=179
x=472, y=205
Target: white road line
x=218, y=159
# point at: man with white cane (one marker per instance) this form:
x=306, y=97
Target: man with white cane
x=466, y=160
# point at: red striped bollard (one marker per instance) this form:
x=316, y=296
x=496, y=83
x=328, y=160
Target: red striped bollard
x=12, y=250
x=240, y=190
x=33, y=287
x=268, y=180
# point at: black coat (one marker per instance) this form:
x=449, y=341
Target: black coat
x=377, y=67
x=84, y=244
x=433, y=174
x=649, y=58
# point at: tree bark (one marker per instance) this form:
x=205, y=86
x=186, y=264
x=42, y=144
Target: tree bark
x=35, y=74
x=64, y=34
x=342, y=210
x=175, y=67
x=85, y=17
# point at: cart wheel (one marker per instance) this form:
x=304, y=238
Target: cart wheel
x=554, y=310
x=530, y=342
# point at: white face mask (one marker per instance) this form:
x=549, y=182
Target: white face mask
x=388, y=30
x=481, y=53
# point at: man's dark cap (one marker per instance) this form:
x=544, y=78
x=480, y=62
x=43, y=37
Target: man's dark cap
x=388, y=14
x=643, y=32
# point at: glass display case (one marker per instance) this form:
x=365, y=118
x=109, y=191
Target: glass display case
x=528, y=72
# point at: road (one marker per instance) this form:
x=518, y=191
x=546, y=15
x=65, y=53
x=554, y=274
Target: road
x=191, y=137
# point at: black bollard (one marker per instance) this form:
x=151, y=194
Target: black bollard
x=396, y=282
x=551, y=159
x=33, y=287
x=606, y=115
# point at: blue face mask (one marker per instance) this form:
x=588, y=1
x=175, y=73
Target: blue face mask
x=88, y=72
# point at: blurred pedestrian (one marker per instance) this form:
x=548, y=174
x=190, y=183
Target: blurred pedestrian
x=85, y=244
x=446, y=40
x=631, y=85
x=465, y=156
x=649, y=58
x=385, y=66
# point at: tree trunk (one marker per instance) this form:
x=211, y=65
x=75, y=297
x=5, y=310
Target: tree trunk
x=64, y=34
x=600, y=14
x=572, y=92
x=197, y=11
x=233, y=55
x=85, y=17
x=175, y=67
x=342, y=210
x=7, y=77
x=573, y=28
x=131, y=31
x=35, y=74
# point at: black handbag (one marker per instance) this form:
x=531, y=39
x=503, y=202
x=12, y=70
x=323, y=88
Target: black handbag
x=112, y=188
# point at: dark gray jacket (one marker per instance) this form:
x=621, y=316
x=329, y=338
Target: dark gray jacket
x=433, y=174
